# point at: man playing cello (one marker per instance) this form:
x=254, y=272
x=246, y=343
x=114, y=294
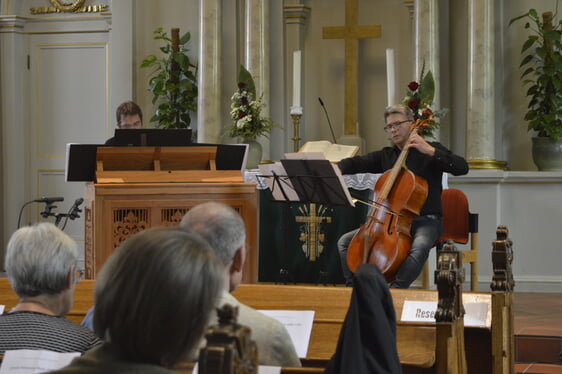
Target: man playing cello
x=428, y=160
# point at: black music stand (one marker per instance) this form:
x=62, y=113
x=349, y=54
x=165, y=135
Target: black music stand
x=306, y=181
x=317, y=181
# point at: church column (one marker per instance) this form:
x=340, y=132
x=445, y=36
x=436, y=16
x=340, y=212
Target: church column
x=256, y=56
x=480, y=121
x=426, y=19
x=296, y=15
x=208, y=102
x=12, y=124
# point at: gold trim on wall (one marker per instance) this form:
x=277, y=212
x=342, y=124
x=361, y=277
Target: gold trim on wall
x=487, y=164
x=76, y=7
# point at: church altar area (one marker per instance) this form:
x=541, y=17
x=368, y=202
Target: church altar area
x=529, y=203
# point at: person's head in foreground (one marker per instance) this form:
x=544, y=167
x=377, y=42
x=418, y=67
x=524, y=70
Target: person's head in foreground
x=41, y=263
x=223, y=228
x=154, y=297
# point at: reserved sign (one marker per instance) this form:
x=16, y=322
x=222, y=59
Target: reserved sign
x=424, y=311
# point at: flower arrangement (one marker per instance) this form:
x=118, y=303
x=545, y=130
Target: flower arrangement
x=245, y=112
x=419, y=98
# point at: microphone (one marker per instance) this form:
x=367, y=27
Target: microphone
x=75, y=209
x=328, y=118
x=48, y=200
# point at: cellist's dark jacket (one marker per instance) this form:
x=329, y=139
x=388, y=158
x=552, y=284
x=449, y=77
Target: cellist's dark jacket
x=430, y=168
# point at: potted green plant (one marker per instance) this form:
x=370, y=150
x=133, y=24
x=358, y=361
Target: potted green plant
x=542, y=60
x=172, y=81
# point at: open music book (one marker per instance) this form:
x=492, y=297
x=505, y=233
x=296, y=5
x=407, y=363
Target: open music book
x=332, y=152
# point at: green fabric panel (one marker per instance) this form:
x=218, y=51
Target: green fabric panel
x=284, y=242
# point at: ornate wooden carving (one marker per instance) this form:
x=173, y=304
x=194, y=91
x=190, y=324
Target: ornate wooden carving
x=172, y=216
x=230, y=349
x=502, y=257
x=127, y=222
x=449, y=277
x=88, y=240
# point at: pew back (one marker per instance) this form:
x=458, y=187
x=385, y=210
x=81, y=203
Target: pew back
x=83, y=298
x=415, y=341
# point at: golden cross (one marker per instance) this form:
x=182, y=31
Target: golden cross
x=351, y=33
x=312, y=240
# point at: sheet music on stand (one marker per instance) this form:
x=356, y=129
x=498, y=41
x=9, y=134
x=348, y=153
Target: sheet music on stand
x=306, y=180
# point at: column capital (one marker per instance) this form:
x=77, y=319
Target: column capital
x=296, y=13
x=410, y=5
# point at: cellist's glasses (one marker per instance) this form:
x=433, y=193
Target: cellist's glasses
x=394, y=125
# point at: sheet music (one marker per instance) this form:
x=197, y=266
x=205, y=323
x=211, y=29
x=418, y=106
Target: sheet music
x=299, y=325
x=67, y=161
x=27, y=361
x=305, y=156
x=342, y=182
x=261, y=369
x=280, y=184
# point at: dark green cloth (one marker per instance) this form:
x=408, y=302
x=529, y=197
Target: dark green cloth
x=283, y=240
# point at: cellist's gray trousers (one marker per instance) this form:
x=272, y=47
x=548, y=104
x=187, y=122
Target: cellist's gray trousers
x=425, y=231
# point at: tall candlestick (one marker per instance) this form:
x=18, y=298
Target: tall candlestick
x=297, y=78
x=390, y=78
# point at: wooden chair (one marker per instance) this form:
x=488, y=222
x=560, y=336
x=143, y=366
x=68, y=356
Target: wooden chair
x=459, y=226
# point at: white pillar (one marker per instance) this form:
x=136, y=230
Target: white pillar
x=426, y=21
x=256, y=56
x=208, y=99
x=12, y=125
x=480, y=121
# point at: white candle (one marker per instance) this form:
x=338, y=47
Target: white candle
x=297, y=78
x=390, y=78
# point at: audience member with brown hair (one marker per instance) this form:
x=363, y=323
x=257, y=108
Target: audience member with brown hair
x=154, y=297
x=41, y=263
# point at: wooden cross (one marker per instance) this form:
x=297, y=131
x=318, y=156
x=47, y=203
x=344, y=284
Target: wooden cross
x=351, y=33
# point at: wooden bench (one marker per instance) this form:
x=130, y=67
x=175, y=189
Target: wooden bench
x=83, y=298
x=489, y=349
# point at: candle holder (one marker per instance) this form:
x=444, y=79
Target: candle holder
x=296, y=114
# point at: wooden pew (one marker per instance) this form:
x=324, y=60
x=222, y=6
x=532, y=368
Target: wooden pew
x=83, y=298
x=489, y=349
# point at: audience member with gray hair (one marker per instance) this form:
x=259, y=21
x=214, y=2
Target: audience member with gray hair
x=154, y=297
x=41, y=263
x=225, y=231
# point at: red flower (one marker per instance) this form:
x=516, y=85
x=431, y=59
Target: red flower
x=413, y=104
x=241, y=115
x=413, y=86
x=241, y=85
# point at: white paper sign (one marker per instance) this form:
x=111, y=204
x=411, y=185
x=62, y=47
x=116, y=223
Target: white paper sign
x=2, y=309
x=261, y=369
x=424, y=311
x=27, y=361
x=299, y=325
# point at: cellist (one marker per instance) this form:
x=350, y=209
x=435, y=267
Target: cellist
x=428, y=160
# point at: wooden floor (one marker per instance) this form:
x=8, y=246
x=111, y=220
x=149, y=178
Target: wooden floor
x=538, y=332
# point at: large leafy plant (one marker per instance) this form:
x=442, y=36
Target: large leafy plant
x=172, y=81
x=542, y=60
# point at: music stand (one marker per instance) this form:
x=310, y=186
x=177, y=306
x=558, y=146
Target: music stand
x=306, y=181
x=317, y=181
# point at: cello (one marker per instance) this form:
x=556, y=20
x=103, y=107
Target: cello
x=384, y=239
